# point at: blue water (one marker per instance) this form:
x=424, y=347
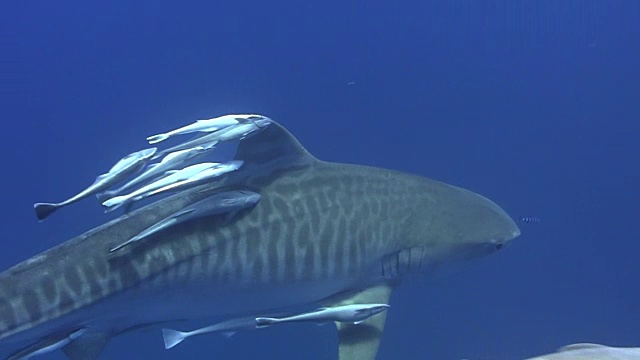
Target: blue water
x=533, y=104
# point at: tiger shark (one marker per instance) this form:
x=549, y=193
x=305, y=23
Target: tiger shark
x=323, y=234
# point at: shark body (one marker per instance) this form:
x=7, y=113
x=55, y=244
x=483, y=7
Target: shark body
x=323, y=233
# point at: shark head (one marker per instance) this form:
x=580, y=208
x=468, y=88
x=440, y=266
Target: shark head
x=451, y=224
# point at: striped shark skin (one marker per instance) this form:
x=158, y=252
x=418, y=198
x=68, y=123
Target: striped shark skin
x=323, y=234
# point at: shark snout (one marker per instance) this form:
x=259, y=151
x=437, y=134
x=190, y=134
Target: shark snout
x=512, y=232
x=503, y=241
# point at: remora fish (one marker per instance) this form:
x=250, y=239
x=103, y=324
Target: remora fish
x=322, y=232
x=228, y=202
x=129, y=164
x=148, y=190
x=205, y=175
x=208, y=125
x=354, y=313
x=233, y=132
x=170, y=162
x=229, y=327
x=592, y=352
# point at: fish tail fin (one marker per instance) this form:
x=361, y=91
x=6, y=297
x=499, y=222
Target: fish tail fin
x=172, y=337
x=264, y=322
x=106, y=195
x=157, y=138
x=43, y=210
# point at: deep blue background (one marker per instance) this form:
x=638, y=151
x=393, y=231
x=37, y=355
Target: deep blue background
x=534, y=104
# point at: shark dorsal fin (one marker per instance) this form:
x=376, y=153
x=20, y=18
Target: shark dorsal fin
x=274, y=142
x=581, y=346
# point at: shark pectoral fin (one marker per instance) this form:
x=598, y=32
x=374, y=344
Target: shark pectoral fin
x=361, y=341
x=86, y=347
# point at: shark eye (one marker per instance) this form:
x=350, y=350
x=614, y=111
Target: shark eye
x=499, y=246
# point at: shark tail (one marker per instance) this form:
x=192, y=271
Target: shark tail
x=264, y=321
x=157, y=138
x=172, y=337
x=43, y=210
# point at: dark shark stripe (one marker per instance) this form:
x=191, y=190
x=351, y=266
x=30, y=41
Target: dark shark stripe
x=7, y=315
x=402, y=262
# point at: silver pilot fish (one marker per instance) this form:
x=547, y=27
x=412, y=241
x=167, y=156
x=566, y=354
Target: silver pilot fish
x=128, y=165
x=233, y=132
x=208, y=125
x=228, y=202
x=172, y=161
x=207, y=174
x=148, y=190
x=229, y=327
x=355, y=313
